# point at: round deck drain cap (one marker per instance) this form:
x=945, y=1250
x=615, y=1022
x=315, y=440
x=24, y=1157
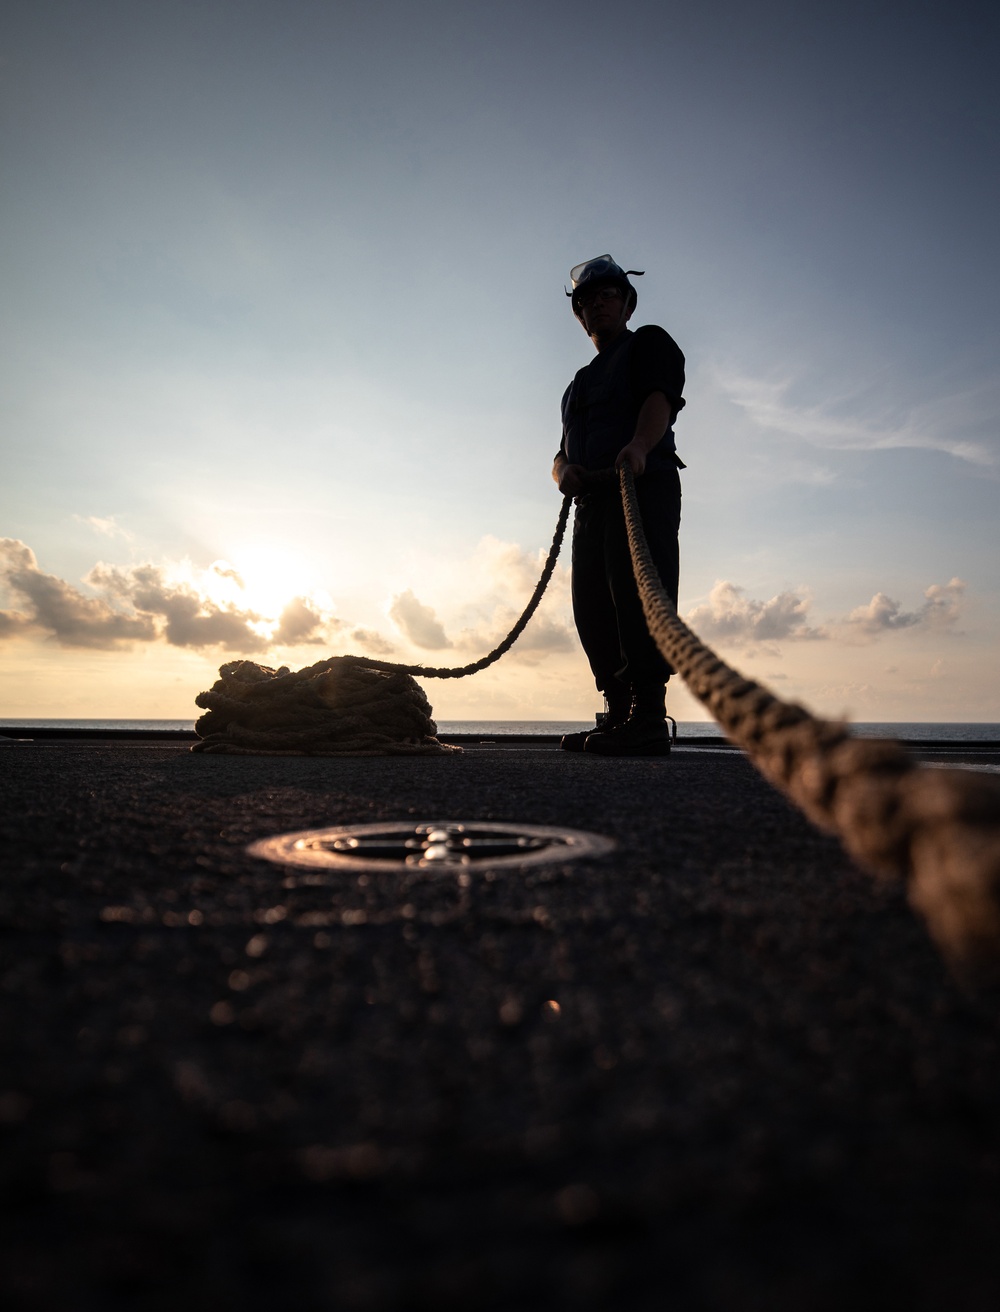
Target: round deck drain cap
x=444, y=845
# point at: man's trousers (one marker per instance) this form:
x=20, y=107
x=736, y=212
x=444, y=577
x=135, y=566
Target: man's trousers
x=606, y=604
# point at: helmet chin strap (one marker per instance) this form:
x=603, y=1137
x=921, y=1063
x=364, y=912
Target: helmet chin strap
x=623, y=317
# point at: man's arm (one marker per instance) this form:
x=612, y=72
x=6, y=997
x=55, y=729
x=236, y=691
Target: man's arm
x=569, y=478
x=653, y=422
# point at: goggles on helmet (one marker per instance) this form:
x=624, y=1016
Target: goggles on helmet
x=602, y=266
x=600, y=269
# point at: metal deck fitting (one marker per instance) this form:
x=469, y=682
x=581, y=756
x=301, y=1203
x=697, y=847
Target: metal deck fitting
x=429, y=845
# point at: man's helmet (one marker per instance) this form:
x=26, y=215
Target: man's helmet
x=600, y=272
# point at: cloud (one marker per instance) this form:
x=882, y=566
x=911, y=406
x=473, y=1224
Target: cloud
x=544, y=636
x=509, y=567
x=943, y=606
x=224, y=570
x=141, y=603
x=146, y=604
x=374, y=642
x=188, y=619
x=301, y=622
x=881, y=615
x=418, y=622
x=940, y=612
x=765, y=404
x=106, y=527
x=730, y=616
x=62, y=611
x=13, y=623
x=487, y=592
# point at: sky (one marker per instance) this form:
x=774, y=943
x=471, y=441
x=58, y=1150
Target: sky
x=284, y=337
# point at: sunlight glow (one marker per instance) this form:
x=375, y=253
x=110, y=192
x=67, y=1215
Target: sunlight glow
x=262, y=578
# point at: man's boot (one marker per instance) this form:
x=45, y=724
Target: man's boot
x=617, y=704
x=645, y=731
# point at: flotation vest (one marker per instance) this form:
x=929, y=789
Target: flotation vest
x=599, y=412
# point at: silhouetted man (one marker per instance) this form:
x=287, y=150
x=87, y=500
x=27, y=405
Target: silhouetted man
x=619, y=410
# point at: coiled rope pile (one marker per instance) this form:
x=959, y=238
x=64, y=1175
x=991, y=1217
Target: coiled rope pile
x=936, y=829
x=345, y=706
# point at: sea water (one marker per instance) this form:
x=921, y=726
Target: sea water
x=911, y=731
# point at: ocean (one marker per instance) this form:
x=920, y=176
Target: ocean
x=911, y=731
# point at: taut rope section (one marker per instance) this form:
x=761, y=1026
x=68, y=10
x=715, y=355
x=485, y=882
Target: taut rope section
x=344, y=706
x=938, y=829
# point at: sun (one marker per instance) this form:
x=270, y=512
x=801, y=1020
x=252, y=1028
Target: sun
x=269, y=577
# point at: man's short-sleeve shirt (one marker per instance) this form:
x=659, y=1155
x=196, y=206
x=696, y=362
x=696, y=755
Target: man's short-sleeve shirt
x=602, y=403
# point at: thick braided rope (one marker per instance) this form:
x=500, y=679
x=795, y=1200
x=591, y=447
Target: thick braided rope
x=938, y=829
